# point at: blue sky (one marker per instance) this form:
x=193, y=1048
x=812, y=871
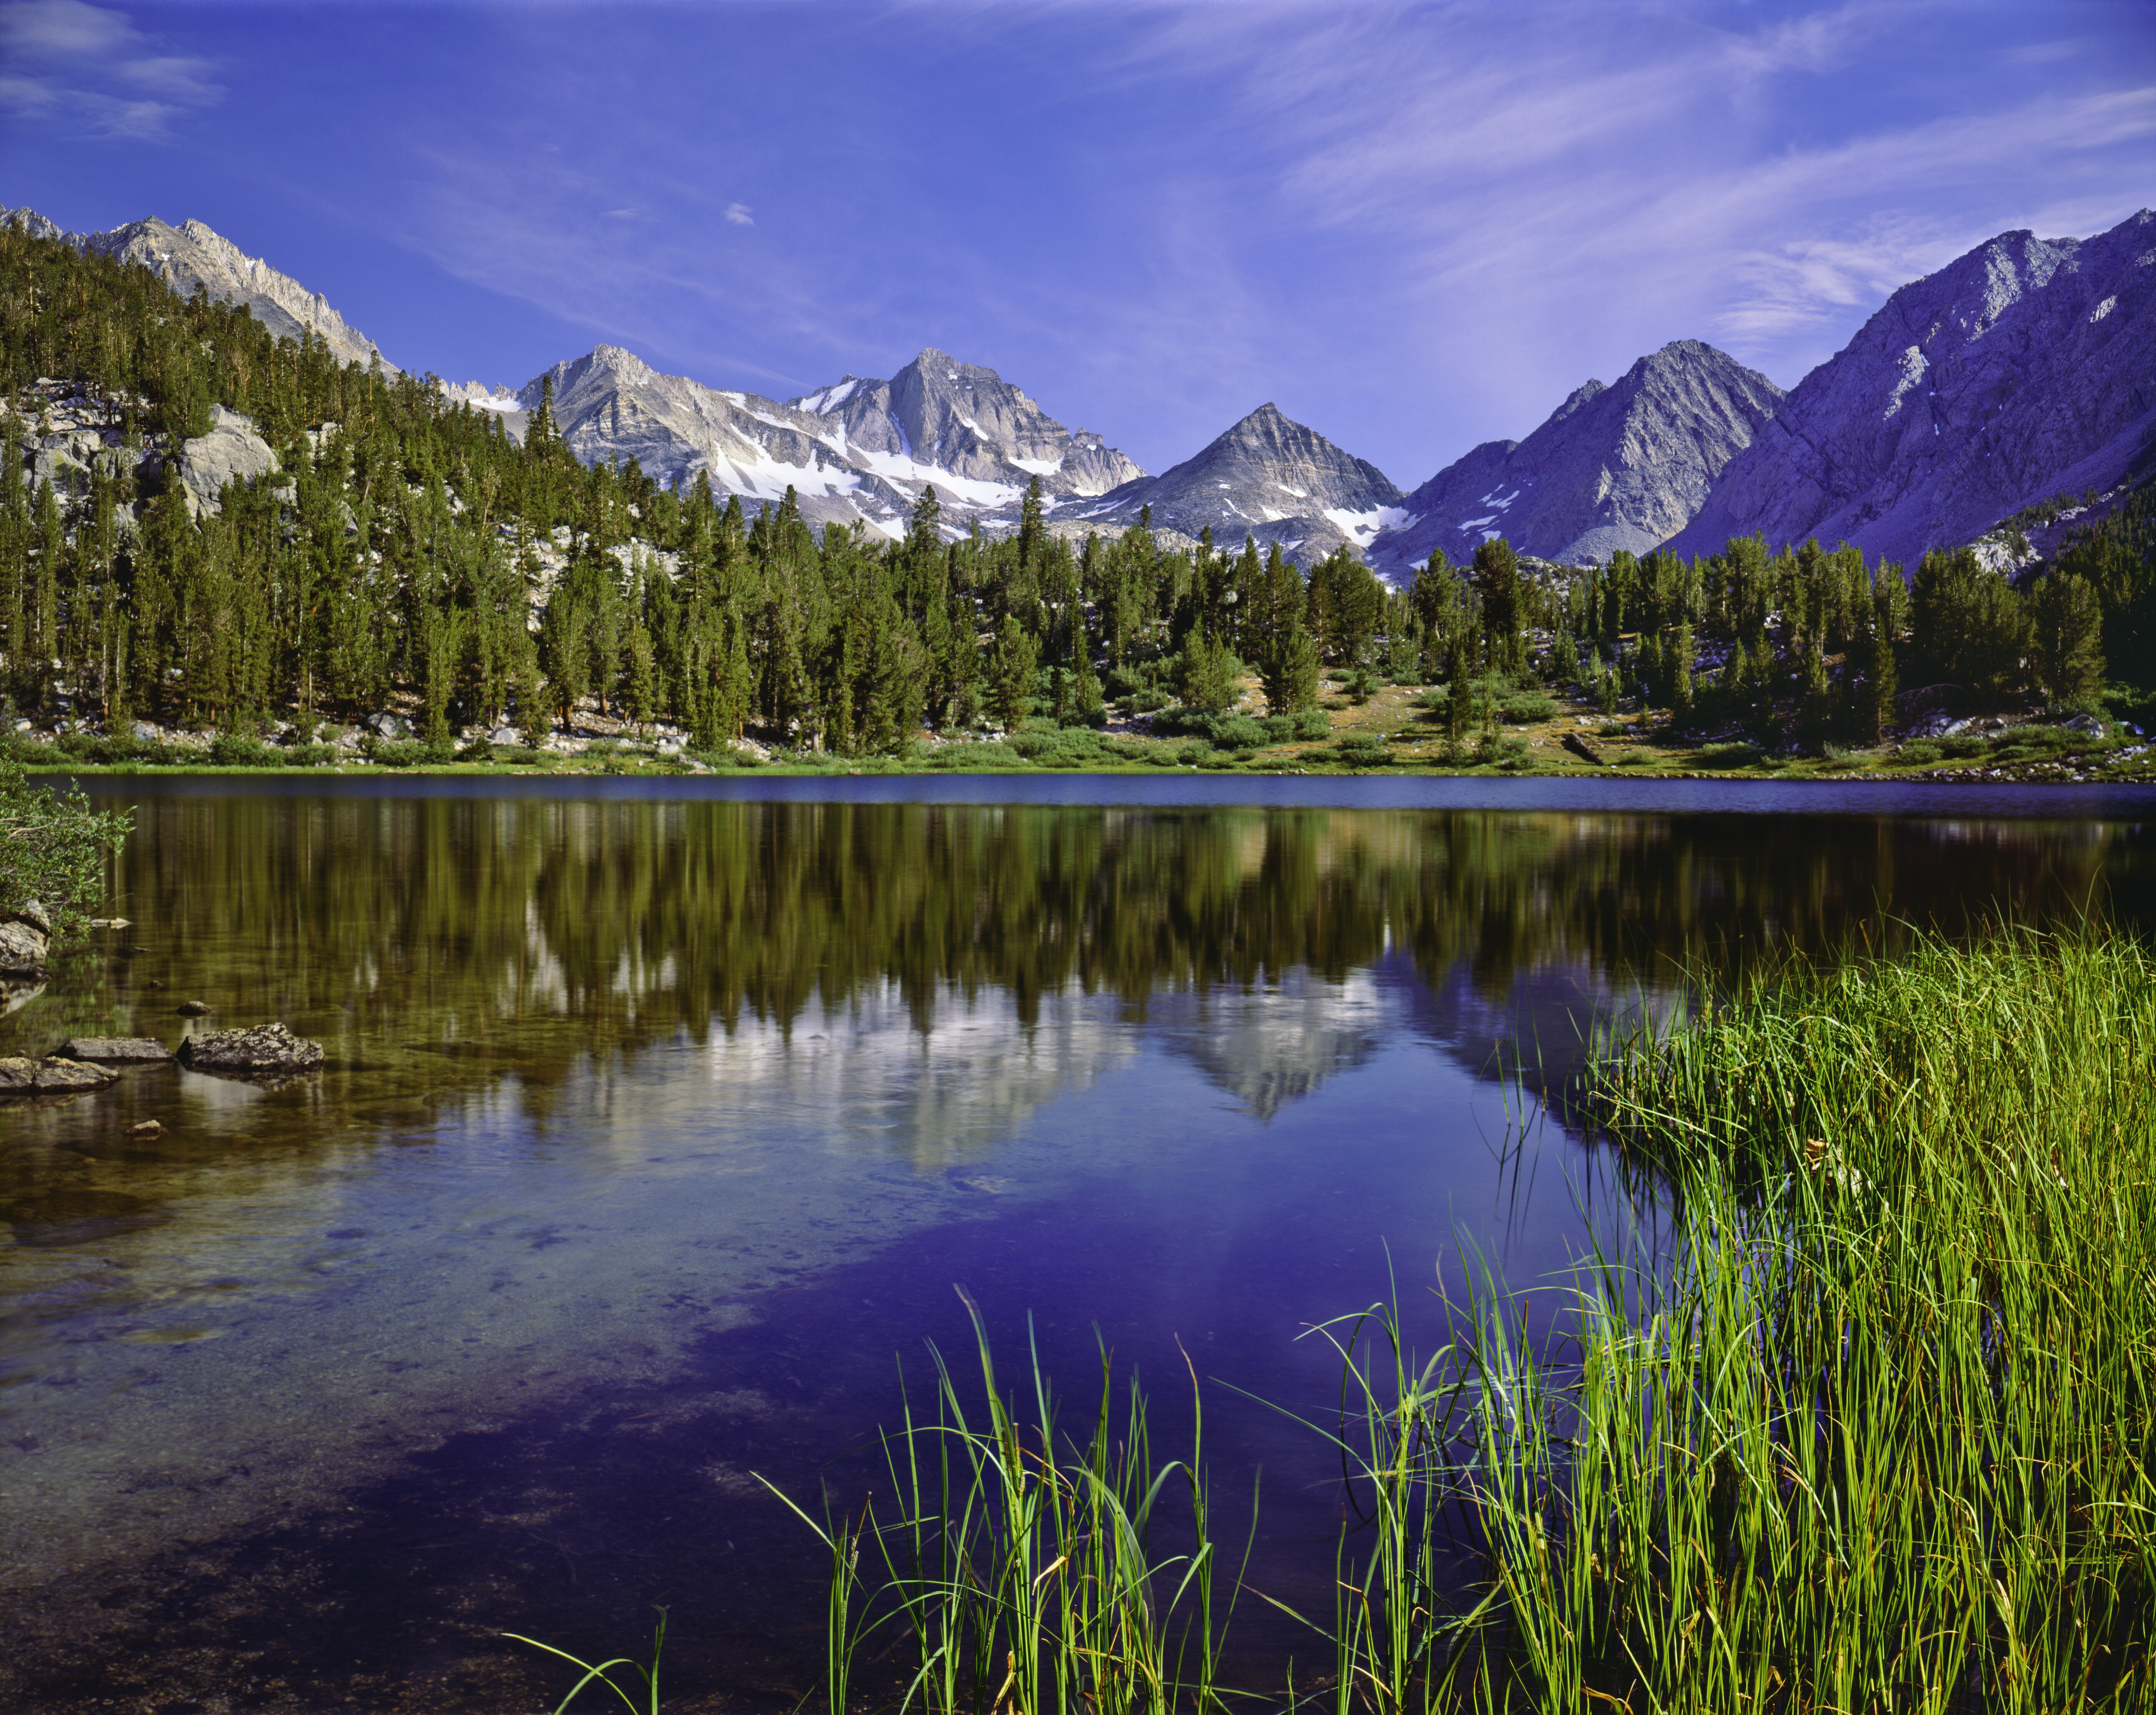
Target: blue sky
x=1413, y=227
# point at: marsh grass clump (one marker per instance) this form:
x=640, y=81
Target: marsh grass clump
x=1882, y=1437
x=1020, y=1564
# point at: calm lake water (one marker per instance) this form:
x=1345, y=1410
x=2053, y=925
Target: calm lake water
x=661, y=1120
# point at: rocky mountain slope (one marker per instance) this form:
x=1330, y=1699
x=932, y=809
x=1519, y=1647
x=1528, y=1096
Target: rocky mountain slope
x=1623, y=466
x=2025, y=369
x=859, y=449
x=1267, y=477
x=191, y=254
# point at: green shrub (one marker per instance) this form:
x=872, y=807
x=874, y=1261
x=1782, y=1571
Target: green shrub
x=397, y=754
x=1740, y=754
x=1147, y=701
x=235, y=750
x=1527, y=707
x=1502, y=749
x=1918, y=751
x=1964, y=745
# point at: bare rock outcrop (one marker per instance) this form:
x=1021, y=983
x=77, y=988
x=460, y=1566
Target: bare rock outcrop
x=232, y=451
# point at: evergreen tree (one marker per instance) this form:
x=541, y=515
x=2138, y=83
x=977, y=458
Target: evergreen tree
x=1012, y=670
x=1498, y=581
x=2066, y=625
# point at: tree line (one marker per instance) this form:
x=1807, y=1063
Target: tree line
x=409, y=547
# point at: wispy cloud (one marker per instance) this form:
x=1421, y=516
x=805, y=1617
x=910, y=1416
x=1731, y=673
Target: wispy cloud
x=1642, y=172
x=89, y=67
x=738, y=214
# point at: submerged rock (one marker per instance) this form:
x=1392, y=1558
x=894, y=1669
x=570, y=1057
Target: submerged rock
x=115, y=1050
x=267, y=1051
x=53, y=1076
x=196, y=1009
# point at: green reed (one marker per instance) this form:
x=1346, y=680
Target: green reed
x=1879, y=1436
x=1021, y=1566
x=1876, y=1431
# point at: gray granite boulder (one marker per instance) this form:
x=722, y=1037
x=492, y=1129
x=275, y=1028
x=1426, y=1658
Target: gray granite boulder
x=22, y=950
x=115, y=1050
x=232, y=451
x=267, y=1051
x=52, y=1075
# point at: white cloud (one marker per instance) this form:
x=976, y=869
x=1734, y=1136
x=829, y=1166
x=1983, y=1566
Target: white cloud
x=90, y=63
x=737, y=213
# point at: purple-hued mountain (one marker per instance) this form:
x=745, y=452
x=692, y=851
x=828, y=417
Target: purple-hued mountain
x=1622, y=466
x=2025, y=369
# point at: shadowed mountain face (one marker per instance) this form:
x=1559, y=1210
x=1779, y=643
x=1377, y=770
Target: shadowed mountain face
x=191, y=255
x=1268, y=477
x=1614, y=467
x=857, y=451
x=2025, y=368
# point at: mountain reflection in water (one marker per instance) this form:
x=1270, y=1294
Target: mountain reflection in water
x=651, y=1130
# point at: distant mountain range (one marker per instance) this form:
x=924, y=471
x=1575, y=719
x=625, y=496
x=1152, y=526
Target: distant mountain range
x=856, y=451
x=2025, y=369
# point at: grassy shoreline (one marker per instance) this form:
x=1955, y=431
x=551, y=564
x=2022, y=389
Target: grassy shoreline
x=1879, y=1432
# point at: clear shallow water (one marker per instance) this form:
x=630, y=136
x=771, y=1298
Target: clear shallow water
x=658, y=1123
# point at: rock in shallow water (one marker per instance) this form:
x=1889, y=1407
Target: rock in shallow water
x=51, y=1076
x=115, y=1050
x=266, y=1051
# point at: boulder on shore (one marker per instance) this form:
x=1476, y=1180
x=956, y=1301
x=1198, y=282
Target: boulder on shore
x=115, y=1050
x=22, y=950
x=53, y=1076
x=268, y=1051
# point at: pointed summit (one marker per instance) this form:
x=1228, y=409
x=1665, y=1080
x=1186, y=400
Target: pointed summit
x=1622, y=466
x=191, y=255
x=1271, y=477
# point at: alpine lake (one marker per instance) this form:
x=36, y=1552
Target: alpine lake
x=663, y=1120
